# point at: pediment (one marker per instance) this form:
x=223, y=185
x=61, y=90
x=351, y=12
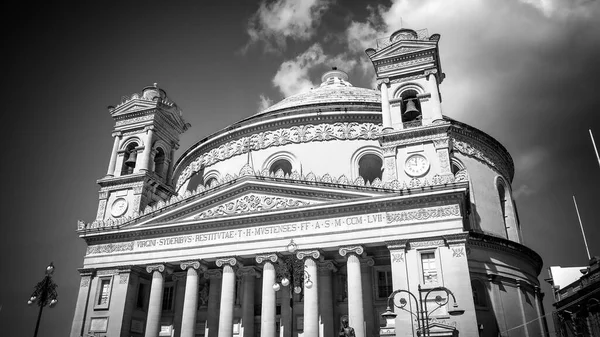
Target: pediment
x=133, y=106
x=399, y=49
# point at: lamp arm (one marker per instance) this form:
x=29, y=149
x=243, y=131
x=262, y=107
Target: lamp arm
x=440, y=304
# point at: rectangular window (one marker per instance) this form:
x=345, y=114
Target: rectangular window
x=167, y=303
x=384, y=283
x=429, y=268
x=103, y=293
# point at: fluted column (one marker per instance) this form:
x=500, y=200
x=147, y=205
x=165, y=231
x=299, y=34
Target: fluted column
x=367, y=286
x=249, y=275
x=145, y=162
x=268, y=311
x=386, y=115
x=326, y=328
x=214, y=292
x=155, y=302
x=311, y=295
x=356, y=316
x=436, y=105
x=113, y=155
x=190, y=302
x=227, y=295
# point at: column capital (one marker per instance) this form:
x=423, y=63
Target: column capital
x=367, y=262
x=117, y=134
x=193, y=264
x=158, y=267
x=213, y=273
x=248, y=271
x=358, y=250
x=312, y=253
x=149, y=128
x=327, y=266
x=381, y=81
x=232, y=261
x=266, y=257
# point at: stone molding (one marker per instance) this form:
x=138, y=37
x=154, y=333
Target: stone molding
x=308, y=254
x=442, y=212
x=357, y=250
x=231, y=261
x=397, y=244
x=261, y=258
x=193, y=264
x=107, y=272
x=109, y=248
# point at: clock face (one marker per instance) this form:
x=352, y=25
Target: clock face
x=119, y=207
x=416, y=165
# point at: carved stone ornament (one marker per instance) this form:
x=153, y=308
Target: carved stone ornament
x=404, y=64
x=458, y=252
x=85, y=281
x=155, y=267
x=123, y=278
x=266, y=257
x=429, y=243
x=482, y=154
x=107, y=272
x=367, y=262
x=358, y=250
x=109, y=248
x=381, y=81
x=213, y=273
x=251, y=203
x=192, y=264
x=442, y=212
x=232, y=261
x=302, y=254
x=398, y=257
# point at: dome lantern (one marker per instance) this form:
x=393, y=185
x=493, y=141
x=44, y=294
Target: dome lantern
x=335, y=77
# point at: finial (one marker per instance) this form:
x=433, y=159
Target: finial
x=156, y=85
x=333, y=68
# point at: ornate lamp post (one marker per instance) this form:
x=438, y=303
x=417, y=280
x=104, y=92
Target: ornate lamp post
x=44, y=294
x=422, y=312
x=291, y=272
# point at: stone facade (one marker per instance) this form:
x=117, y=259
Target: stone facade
x=307, y=213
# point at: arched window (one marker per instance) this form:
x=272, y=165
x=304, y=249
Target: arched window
x=281, y=164
x=507, y=210
x=129, y=159
x=159, y=163
x=196, y=180
x=455, y=167
x=210, y=181
x=411, y=107
x=479, y=293
x=369, y=167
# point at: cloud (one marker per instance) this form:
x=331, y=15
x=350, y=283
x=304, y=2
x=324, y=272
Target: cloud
x=523, y=191
x=264, y=102
x=293, y=76
x=561, y=8
x=275, y=22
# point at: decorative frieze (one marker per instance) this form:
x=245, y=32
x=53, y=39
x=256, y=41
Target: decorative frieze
x=400, y=65
x=107, y=272
x=442, y=212
x=428, y=243
x=251, y=203
x=109, y=248
x=482, y=154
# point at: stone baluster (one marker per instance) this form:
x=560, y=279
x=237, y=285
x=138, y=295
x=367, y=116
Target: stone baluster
x=356, y=316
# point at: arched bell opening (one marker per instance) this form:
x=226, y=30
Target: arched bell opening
x=370, y=167
x=281, y=164
x=411, y=106
x=160, y=162
x=130, y=159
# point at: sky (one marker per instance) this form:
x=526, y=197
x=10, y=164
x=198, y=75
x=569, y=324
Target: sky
x=523, y=71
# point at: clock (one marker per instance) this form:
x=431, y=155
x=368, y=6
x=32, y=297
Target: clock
x=119, y=207
x=416, y=165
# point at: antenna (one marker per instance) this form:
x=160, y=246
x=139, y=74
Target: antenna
x=582, y=232
x=595, y=149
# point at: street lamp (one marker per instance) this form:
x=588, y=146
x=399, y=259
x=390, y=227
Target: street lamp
x=291, y=272
x=422, y=312
x=44, y=294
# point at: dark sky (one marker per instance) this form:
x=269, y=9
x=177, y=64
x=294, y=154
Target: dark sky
x=525, y=72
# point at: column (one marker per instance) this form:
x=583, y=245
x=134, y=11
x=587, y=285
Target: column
x=155, y=302
x=227, y=295
x=356, y=316
x=436, y=105
x=171, y=163
x=327, y=328
x=497, y=306
x=113, y=155
x=214, y=293
x=190, y=302
x=367, y=286
x=389, y=164
x=82, y=302
x=519, y=290
x=285, y=322
x=267, y=315
x=144, y=164
x=311, y=295
x=249, y=275
x=385, y=105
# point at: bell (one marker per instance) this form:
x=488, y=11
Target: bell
x=411, y=112
x=130, y=162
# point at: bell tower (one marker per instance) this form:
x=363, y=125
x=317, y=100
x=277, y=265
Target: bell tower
x=414, y=138
x=146, y=135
